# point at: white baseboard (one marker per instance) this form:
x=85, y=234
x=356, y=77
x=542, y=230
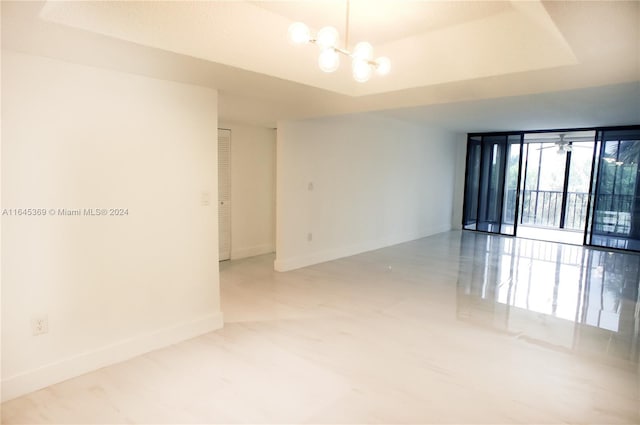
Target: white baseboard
x=82, y=363
x=252, y=251
x=287, y=264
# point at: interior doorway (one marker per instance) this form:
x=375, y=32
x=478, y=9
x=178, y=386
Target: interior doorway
x=554, y=187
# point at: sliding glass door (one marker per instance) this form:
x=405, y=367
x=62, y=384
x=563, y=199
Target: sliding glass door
x=512, y=179
x=615, y=218
x=492, y=166
x=491, y=186
x=472, y=184
x=553, y=192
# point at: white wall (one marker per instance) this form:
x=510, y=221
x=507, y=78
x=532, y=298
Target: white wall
x=112, y=287
x=253, y=189
x=376, y=182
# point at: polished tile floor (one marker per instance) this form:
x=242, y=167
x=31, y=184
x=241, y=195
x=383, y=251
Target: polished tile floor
x=460, y=327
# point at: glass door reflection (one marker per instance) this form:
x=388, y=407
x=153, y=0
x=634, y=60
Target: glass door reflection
x=565, y=296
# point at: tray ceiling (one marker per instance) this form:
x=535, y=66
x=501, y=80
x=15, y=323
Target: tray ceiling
x=429, y=42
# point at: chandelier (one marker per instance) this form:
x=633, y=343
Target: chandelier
x=362, y=63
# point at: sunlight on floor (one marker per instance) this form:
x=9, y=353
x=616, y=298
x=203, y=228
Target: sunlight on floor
x=550, y=235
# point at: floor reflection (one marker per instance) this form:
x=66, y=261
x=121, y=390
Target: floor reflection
x=564, y=295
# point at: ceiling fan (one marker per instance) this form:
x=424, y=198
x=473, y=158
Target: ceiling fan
x=562, y=145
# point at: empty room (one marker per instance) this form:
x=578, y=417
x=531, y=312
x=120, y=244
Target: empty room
x=327, y=211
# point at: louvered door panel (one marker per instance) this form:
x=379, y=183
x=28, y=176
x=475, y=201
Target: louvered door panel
x=224, y=194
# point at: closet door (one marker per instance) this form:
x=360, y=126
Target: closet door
x=224, y=194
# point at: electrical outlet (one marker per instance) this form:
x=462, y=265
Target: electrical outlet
x=39, y=325
x=309, y=237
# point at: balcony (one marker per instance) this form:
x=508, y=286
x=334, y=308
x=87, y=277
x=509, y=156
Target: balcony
x=543, y=208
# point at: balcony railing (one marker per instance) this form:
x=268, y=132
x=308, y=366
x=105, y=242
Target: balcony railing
x=544, y=208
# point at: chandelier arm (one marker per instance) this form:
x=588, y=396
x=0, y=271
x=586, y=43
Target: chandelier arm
x=343, y=51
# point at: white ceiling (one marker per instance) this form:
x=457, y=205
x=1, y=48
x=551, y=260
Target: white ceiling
x=610, y=105
x=468, y=66
x=466, y=40
x=376, y=21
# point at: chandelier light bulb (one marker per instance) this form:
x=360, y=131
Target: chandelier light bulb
x=363, y=65
x=363, y=50
x=329, y=60
x=327, y=37
x=299, y=33
x=362, y=70
x=383, y=65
